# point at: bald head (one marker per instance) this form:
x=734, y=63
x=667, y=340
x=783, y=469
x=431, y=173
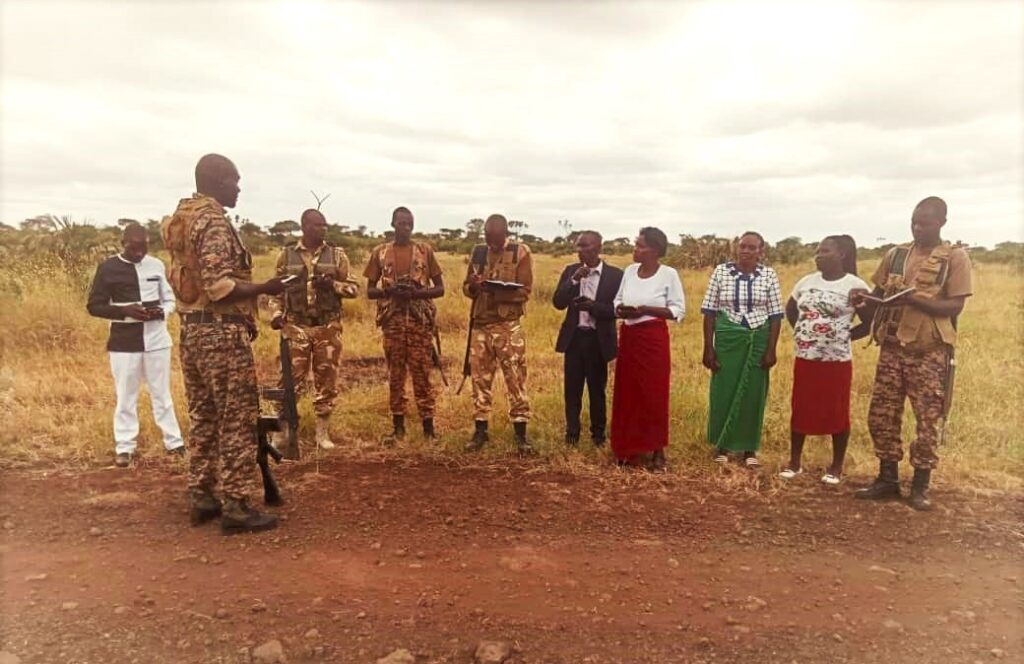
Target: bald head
x=217, y=176
x=496, y=232
x=135, y=242
x=314, y=228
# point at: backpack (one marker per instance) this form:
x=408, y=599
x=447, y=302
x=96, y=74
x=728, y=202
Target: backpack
x=184, y=272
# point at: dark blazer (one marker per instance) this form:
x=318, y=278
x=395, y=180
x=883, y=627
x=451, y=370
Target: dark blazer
x=603, y=311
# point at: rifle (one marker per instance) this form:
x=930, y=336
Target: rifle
x=264, y=426
x=285, y=396
x=469, y=335
x=947, y=392
x=435, y=354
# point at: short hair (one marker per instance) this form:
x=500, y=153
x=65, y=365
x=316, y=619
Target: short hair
x=655, y=238
x=211, y=168
x=134, y=228
x=496, y=220
x=307, y=214
x=759, y=237
x=933, y=205
x=600, y=240
x=397, y=210
x=848, y=248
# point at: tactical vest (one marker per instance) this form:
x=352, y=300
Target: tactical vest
x=494, y=304
x=185, y=273
x=905, y=323
x=308, y=305
x=423, y=311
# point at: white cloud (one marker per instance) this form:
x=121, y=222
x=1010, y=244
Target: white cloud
x=794, y=118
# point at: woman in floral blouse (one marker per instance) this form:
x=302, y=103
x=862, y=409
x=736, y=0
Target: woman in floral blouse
x=742, y=317
x=822, y=317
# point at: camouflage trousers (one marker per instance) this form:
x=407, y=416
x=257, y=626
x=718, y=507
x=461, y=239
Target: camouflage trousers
x=921, y=377
x=493, y=345
x=223, y=403
x=317, y=348
x=408, y=345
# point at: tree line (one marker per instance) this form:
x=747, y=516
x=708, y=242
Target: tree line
x=79, y=246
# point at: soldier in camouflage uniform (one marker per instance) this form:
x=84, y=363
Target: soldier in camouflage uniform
x=211, y=275
x=410, y=279
x=917, y=333
x=497, y=334
x=309, y=315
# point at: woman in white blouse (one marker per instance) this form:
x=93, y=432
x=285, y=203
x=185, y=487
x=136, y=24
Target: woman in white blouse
x=650, y=295
x=742, y=318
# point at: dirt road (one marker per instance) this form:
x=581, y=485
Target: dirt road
x=375, y=555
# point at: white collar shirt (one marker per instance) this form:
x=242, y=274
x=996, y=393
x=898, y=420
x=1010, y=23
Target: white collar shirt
x=588, y=289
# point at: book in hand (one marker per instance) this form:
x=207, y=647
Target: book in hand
x=502, y=285
x=894, y=296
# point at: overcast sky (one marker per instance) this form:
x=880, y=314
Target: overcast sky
x=789, y=118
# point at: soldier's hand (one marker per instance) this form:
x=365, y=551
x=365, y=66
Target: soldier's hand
x=475, y=282
x=277, y=322
x=274, y=286
x=857, y=297
x=136, y=311
x=324, y=282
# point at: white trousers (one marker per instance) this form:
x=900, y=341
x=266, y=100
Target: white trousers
x=129, y=370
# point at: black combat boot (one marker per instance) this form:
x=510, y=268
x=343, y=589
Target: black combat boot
x=398, y=422
x=523, y=445
x=479, y=438
x=428, y=427
x=203, y=507
x=919, y=490
x=886, y=486
x=238, y=517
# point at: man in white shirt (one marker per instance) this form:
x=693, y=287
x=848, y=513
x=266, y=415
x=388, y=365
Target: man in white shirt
x=131, y=290
x=588, y=339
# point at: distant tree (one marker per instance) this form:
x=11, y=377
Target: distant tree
x=451, y=233
x=474, y=229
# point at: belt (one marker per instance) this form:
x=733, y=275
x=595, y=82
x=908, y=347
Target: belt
x=209, y=318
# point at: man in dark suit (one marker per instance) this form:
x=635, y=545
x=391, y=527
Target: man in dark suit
x=587, y=338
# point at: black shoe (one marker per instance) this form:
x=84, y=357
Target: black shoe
x=598, y=439
x=886, y=486
x=657, y=463
x=919, y=490
x=238, y=517
x=523, y=445
x=572, y=439
x=123, y=459
x=428, y=427
x=480, y=437
x=204, y=507
x=398, y=422
x=178, y=451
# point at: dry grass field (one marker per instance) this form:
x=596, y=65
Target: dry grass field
x=56, y=393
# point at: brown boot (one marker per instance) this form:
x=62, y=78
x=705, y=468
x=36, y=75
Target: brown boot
x=238, y=517
x=919, y=490
x=203, y=507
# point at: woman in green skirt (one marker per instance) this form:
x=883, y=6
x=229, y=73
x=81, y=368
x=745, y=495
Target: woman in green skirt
x=742, y=317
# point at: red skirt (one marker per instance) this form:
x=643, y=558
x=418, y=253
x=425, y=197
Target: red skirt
x=640, y=400
x=821, y=397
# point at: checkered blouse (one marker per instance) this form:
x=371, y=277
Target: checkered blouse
x=747, y=299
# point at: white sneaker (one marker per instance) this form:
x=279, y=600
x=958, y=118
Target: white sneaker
x=830, y=479
x=789, y=473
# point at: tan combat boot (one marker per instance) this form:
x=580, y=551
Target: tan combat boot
x=323, y=435
x=238, y=517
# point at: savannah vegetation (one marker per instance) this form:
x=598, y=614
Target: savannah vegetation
x=56, y=394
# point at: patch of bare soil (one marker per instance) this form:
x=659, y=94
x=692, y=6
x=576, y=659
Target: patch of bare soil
x=378, y=555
